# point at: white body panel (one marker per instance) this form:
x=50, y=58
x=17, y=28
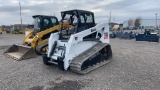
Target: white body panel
x=76, y=45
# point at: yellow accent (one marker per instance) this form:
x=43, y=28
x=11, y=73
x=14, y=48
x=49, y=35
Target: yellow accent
x=21, y=31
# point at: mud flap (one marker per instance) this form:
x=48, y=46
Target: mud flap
x=20, y=52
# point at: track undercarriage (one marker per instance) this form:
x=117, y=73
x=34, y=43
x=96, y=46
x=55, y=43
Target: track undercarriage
x=91, y=59
x=97, y=56
x=82, y=48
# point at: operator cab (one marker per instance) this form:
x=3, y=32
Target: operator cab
x=42, y=22
x=80, y=19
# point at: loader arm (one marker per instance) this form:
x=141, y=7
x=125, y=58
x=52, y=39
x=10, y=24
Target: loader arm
x=28, y=39
x=40, y=41
x=43, y=36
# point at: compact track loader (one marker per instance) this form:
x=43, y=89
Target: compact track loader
x=82, y=48
x=15, y=29
x=36, y=41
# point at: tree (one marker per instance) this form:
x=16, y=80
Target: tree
x=137, y=22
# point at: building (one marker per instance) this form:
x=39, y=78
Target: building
x=125, y=24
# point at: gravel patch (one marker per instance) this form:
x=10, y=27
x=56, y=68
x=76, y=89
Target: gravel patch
x=135, y=66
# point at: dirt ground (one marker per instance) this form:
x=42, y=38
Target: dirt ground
x=134, y=66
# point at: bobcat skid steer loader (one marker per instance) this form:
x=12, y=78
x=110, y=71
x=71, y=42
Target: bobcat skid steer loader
x=82, y=48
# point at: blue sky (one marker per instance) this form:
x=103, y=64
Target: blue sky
x=121, y=10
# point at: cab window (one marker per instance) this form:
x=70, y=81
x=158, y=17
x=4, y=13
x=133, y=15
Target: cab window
x=54, y=21
x=82, y=19
x=89, y=18
x=46, y=22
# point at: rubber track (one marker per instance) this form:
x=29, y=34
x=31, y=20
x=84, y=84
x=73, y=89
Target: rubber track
x=77, y=62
